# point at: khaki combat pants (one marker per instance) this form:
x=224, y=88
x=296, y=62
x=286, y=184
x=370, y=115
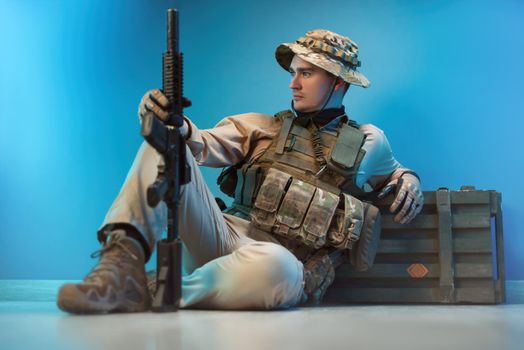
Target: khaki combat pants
x=224, y=268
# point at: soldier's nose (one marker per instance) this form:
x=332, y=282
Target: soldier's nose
x=294, y=85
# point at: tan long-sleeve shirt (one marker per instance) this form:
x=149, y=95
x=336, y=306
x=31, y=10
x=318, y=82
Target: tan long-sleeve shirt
x=246, y=136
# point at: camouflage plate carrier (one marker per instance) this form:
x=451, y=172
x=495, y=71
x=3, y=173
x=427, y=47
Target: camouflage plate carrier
x=302, y=190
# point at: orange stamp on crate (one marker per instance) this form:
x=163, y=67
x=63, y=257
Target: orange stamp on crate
x=417, y=270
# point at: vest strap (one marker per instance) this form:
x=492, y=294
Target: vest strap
x=250, y=182
x=298, y=130
x=300, y=145
x=282, y=136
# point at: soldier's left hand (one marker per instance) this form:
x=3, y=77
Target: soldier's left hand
x=154, y=101
x=408, y=198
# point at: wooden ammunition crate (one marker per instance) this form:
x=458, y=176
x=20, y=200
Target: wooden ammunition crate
x=452, y=253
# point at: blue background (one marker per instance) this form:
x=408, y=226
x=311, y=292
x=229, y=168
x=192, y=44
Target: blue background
x=446, y=88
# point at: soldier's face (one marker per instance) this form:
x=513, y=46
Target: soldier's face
x=310, y=85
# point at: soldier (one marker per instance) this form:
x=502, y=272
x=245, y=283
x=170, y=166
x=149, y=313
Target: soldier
x=298, y=180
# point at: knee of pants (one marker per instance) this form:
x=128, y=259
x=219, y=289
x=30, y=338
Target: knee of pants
x=270, y=272
x=273, y=263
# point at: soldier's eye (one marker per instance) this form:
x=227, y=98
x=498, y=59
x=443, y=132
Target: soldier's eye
x=306, y=74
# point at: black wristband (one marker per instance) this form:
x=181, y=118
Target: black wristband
x=410, y=172
x=190, y=129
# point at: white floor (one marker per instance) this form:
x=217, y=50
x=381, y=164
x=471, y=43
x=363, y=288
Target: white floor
x=40, y=325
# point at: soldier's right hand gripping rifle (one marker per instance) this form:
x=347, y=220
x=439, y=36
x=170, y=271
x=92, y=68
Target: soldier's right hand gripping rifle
x=173, y=170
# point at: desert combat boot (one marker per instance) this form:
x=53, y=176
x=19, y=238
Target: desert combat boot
x=118, y=282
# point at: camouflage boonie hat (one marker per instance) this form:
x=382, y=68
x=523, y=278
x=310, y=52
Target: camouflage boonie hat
x=330, y=51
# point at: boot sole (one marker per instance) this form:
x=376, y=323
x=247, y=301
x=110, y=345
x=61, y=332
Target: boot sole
x=72, y=300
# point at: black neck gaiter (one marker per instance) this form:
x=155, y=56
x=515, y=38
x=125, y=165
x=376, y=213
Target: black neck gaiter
x=319, y=118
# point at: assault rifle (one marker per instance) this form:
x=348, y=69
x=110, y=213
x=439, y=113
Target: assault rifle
x=173, y=171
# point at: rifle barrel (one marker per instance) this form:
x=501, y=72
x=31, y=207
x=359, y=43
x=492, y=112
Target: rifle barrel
x=172, y=30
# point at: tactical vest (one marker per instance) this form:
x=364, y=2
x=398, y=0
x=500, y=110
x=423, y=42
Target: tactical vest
x=302, y=188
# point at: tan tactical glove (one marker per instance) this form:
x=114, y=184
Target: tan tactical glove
x=408, y=198
x=154, y=101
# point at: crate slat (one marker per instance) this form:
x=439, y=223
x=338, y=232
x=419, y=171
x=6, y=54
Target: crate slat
x=480, y=295
x=460, y=245
x=388, y=271
x=430, y=221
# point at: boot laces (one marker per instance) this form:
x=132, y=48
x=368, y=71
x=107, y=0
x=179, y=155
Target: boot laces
x=114, y=241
